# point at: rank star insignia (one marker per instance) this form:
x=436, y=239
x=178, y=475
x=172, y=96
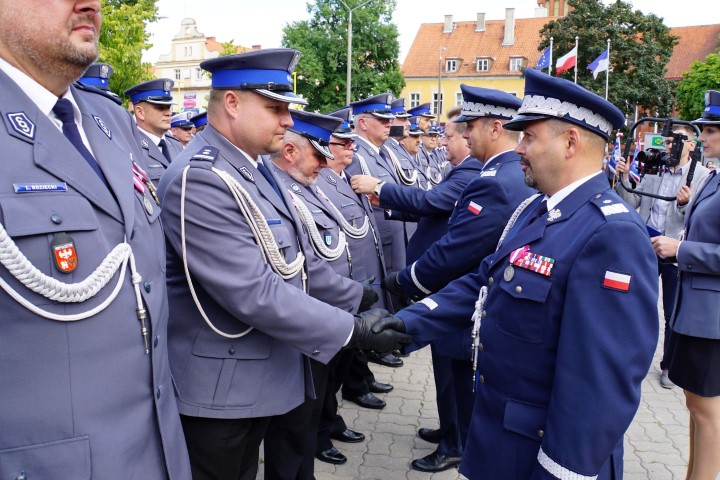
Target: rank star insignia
x=554, y=214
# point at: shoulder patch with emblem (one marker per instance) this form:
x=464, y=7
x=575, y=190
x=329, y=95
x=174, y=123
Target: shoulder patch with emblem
x=247, y=174
x=103, y=126
x=21, y=124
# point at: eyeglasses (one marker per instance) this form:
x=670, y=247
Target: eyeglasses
x=346, y=145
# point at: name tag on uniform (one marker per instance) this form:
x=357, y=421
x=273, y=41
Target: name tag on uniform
x=273, y=221
x=40, y=187
x=488, y=173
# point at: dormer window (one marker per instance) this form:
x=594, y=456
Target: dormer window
x=451, y=65
x=482, y=64
x=516, y=63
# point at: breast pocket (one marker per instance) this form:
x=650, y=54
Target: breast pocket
x=285, y=240
x=33, y=220
x=528, y=292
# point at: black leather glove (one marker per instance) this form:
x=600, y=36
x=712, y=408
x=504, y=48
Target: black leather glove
x=388, y=336
x=369, y=296
x=391, y=284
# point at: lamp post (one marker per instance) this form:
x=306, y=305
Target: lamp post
x=439, y=94
x=348, y=74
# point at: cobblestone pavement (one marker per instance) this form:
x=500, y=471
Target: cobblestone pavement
x=656, y=444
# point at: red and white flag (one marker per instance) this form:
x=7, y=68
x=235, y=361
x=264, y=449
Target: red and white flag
x=474, y=208
x=567, y=61
x=617, y=281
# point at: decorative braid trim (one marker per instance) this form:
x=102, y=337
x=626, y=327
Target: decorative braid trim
x=558, y=471
x=473, y=109
x=558, y=108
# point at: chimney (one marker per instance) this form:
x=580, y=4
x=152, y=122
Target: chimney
x=448, y=28
x=480, y=27
x=509, y=38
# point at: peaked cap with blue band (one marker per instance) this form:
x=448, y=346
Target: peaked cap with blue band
x=98, y=75
x=422, y=110
x=378, y=105
x=156, y=92
x=267, y=72
x=344, y=130
x=181, y=120
x=711, y=114
x=434, y=129
x=552, y=97
x=481, y=102
x=199, y=120
x=397, y=108
x=317, y=128
x=415, y=128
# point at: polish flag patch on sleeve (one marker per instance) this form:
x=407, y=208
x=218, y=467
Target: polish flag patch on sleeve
x=617, y=281
x=474, y=208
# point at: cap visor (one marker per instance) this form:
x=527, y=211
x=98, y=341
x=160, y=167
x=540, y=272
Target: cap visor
x=324, y=150
x=344, y=136
x=287, y=97
x=518, y=123
x=402, y=115
x=706, y=121
x=388, y=116
x=160, y=102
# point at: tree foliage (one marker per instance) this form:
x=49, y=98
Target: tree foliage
x=321, y=73
x=123, y=38
x=691, y=89
x=641, y=46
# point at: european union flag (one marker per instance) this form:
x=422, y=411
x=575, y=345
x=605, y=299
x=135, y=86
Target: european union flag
x=544, y=60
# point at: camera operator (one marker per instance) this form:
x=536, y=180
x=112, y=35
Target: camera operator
x=666, y=217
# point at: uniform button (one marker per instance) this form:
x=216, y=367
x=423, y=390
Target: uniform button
x=57, y=220
x=316, y=351
x=689, y=267
x=132, y=234
x=231, y=351
x=147, y=286
x=491, y=280
x=156, y=340
x=157, y=393
x=481, y=379
x=481, y=347
x=518, y=289
x=540, y=433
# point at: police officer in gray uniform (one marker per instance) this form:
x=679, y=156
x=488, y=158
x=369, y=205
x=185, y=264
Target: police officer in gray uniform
x=242, y=325
x=86, y=389
x=151, y=104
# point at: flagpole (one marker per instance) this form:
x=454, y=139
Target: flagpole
x=607, y=72
x=551, y=52
x=577, y=53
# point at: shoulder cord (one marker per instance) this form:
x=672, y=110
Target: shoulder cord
x=480, y=303
x=407, y=180
x=317, y=242
x=269, y=250
x=363, y=164
x=351, y=231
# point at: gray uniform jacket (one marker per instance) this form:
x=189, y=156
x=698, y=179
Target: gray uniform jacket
x=366, y=253
x=155, y=162
x=392, y=232
x=82, y=399
x=265, y=372
x=675, y=216
x=697, y=310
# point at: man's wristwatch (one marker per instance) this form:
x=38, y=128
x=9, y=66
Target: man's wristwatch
x=377, y=188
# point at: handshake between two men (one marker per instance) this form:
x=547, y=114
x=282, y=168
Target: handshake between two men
x=379, y=330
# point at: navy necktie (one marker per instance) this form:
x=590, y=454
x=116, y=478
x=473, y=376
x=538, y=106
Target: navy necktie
x=268, y=176
x=164, y=149
x=540, y=210
x=63, y=110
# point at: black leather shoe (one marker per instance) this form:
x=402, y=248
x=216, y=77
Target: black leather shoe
x=331, y=455
x=435, y=462
x=348, y=436
x=431, y=435
x=398, y=353
x=388, y=360
x=377, y=387
x=368, y=401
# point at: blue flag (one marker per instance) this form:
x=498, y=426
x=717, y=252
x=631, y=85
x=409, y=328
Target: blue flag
x=634, y=174
x=544, y=60
x=600, y=64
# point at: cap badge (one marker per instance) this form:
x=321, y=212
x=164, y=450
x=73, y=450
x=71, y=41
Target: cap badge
x=104, y=71
x=294, y=61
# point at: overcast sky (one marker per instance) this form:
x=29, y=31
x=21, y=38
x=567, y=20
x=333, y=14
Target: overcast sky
x=255, y=22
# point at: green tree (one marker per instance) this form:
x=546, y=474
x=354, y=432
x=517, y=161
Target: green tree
x=123, y=38
x=321, y=73
x=641, y=45
x=691, y=89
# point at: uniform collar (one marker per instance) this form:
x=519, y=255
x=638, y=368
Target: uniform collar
x=560, y=195
x=493, y=158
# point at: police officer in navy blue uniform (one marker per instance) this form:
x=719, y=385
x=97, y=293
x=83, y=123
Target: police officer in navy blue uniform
x=85, y=384
x=559, y=358
x=239, y=265
x=151, y=103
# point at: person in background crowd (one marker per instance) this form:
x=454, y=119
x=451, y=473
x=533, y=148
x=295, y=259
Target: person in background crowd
x=693, y=353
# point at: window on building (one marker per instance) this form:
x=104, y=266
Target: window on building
x=458, y=98
x=451, y=65
x=483, y=64
x=515, y=64
x=414, y=100
x=188, y=51
x=198, y=73
x=177, y=74
x=437, y=109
